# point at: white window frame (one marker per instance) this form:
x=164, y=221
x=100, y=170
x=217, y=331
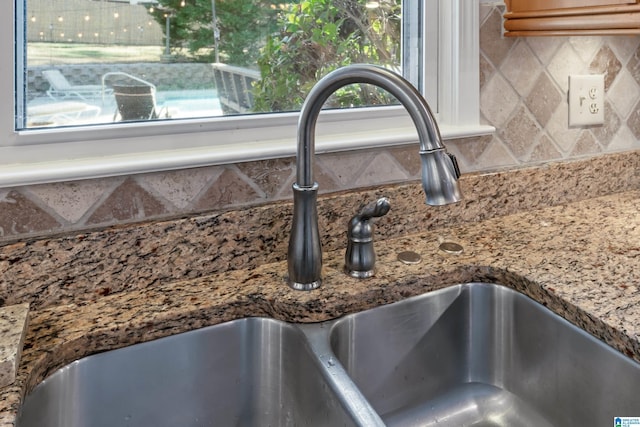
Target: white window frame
x=64, y=154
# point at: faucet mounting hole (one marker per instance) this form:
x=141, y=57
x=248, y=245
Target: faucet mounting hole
x=409, y=257
x=451, y=248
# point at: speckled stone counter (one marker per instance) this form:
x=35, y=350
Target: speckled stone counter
x=567, y=235
x=13, y=323
x=84, y=267
x=582, y=260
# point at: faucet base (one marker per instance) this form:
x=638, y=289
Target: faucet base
x=305, y=251
x=305, y=286
x=360, y=274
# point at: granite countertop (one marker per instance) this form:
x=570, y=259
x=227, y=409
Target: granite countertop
x=13, y=326
x=581, y=259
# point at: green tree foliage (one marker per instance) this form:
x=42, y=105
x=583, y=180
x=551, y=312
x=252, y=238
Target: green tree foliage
x=242, y=24
x=293, y=42
x=315, y=37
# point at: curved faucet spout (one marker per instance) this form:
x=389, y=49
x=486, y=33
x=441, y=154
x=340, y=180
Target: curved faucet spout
x=439, y=171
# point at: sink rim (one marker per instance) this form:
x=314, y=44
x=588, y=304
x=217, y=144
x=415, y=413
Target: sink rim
x=346, y=329
x=318, y=336
x=250, y=333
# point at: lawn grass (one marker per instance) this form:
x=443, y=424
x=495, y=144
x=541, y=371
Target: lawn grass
x=75, y=53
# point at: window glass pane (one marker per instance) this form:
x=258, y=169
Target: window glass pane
x=106, y=61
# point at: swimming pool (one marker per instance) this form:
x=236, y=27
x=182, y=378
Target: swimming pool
x=190, y=103
x=179, y=104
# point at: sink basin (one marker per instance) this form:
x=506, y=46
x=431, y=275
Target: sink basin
x=249, y=372
x=469, y=355
x=483, y=355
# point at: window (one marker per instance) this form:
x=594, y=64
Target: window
x=109, y=61
x=439, y=36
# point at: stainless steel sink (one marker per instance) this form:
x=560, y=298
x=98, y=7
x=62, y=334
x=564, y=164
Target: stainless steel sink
x=249, y=372
x=469, y=355
x=483, y=355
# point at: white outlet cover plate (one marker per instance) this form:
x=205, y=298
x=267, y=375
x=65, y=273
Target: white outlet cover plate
x=586, y=100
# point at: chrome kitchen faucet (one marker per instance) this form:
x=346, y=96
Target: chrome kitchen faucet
x=439, y=169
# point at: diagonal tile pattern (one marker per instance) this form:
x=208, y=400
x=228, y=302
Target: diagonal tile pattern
x=71, y=200
x=20, y=216
x=605, y=62
x=634, y=65
x=523, y=94
x=269, y=175
x=522, y=132
x=498, y=100
x=228, y=190
x=633, y=122
x=565, y=62
x=128, y=202
x=543, y=101
x=623, y=93
x=521, y=68
x=181, y=187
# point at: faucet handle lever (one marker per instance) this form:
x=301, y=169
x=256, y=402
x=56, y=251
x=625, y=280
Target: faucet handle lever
x=374, y=209
x=360, y=257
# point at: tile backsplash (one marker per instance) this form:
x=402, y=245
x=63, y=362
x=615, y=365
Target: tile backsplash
x=523, y=94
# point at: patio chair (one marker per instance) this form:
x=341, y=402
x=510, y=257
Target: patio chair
x=60, y=113
x=60, y=88
x=137, y=102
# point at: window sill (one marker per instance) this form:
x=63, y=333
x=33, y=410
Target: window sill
x=192, y=145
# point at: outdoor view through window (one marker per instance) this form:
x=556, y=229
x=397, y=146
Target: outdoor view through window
x=108, y=61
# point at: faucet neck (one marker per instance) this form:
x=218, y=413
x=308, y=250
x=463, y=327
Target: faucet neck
x=401, y=89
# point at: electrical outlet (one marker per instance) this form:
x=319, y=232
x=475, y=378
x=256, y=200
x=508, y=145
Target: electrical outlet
x=586, y=100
